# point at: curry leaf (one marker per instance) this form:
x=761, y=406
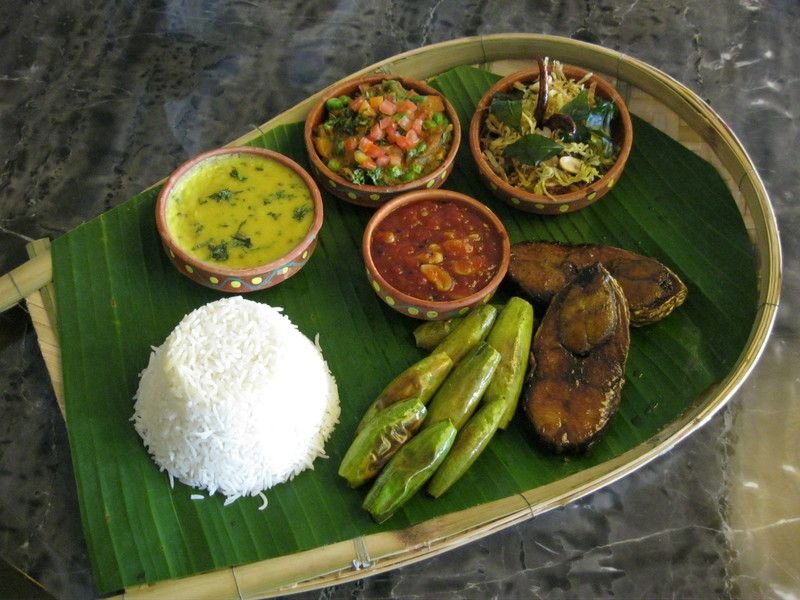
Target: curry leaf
x=532, y=149
x=508, y=109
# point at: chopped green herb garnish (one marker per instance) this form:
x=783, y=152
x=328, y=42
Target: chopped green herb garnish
x=239, y=239
x=219, y=252
x=235, y=174
x=301, y=211
x=375, y=175
x=357, y=176
x=223, y=194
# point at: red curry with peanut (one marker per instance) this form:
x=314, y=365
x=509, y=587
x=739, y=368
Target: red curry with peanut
x=436, y=250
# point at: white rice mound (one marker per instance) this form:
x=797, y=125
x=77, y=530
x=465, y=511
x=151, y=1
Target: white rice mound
x=236, y=400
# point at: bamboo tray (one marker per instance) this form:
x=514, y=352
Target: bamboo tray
x=652, y=96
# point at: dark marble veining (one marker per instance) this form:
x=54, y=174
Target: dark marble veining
x=101, y=99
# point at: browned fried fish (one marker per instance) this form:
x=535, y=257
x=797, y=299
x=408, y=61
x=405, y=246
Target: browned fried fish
x=577, y=369
x=542, y=268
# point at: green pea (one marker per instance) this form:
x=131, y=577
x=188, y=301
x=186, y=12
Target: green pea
x=333, y=103
x=334, y=164
x=395, y=172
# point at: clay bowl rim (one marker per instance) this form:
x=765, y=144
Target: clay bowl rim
x=317, y=112
x=244, y=272
x=443, y=306
x=604, y=87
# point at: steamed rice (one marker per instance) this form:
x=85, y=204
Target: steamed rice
x=235, y=400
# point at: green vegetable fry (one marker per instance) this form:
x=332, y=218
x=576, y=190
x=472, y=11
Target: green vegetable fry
x=468, y=333
x=430, y=334
x=511, y=336
x=461, y=392
x=420, y=380
x=409, y=470
x=380, y=439
x=470, y=442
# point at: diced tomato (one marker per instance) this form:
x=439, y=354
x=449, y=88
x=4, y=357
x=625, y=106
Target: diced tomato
x=356, y=103
x=376, y=133
x=416, y=125
x=412, y=137
x=382, y=161
x=387, y=107
x=351, y=143
x=370, y=148
x=363, y=160
x=407, y=106
x=386, y=123
x=403, y=143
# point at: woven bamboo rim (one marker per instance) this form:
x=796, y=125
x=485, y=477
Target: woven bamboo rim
x=651, y=95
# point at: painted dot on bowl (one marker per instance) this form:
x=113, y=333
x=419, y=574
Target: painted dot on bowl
x=431, y=183
x=171, y=254
x=213, y=280
x=611, y=183
x=463, y=311
x=256, y=280
x=236, y=284
x=432, y=314
x=389, y=300
x=539, y=206
x=284, y=271
x=188, y=268
x=563, y=208
x=331, y=183
x=304, y=256
x=515, y=200
x=375, y=197
x=413, y=311
x=493, y=186
x=375, y=285
x=352, y=195
x=591, y=196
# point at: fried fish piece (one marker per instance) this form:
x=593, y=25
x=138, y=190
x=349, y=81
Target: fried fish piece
x=577, y=369
x=542, y=268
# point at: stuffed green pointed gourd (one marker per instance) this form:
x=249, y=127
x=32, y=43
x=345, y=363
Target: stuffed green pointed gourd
x=511, y=336
x=420, y=380
x=409, y=470
x=468, y=333
x=470, y=442
x=430, y=334
x=423, y=378
x=461, y=392
x=380, y=439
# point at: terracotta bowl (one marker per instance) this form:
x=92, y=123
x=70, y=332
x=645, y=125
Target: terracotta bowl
x=245, y=279
x=408, y=301
x=372, y=195
x=622, y=131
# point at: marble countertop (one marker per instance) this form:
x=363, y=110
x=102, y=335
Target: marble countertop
x=98, y=100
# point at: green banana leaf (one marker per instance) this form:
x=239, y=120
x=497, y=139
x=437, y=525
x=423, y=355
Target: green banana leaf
x=118, y=296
